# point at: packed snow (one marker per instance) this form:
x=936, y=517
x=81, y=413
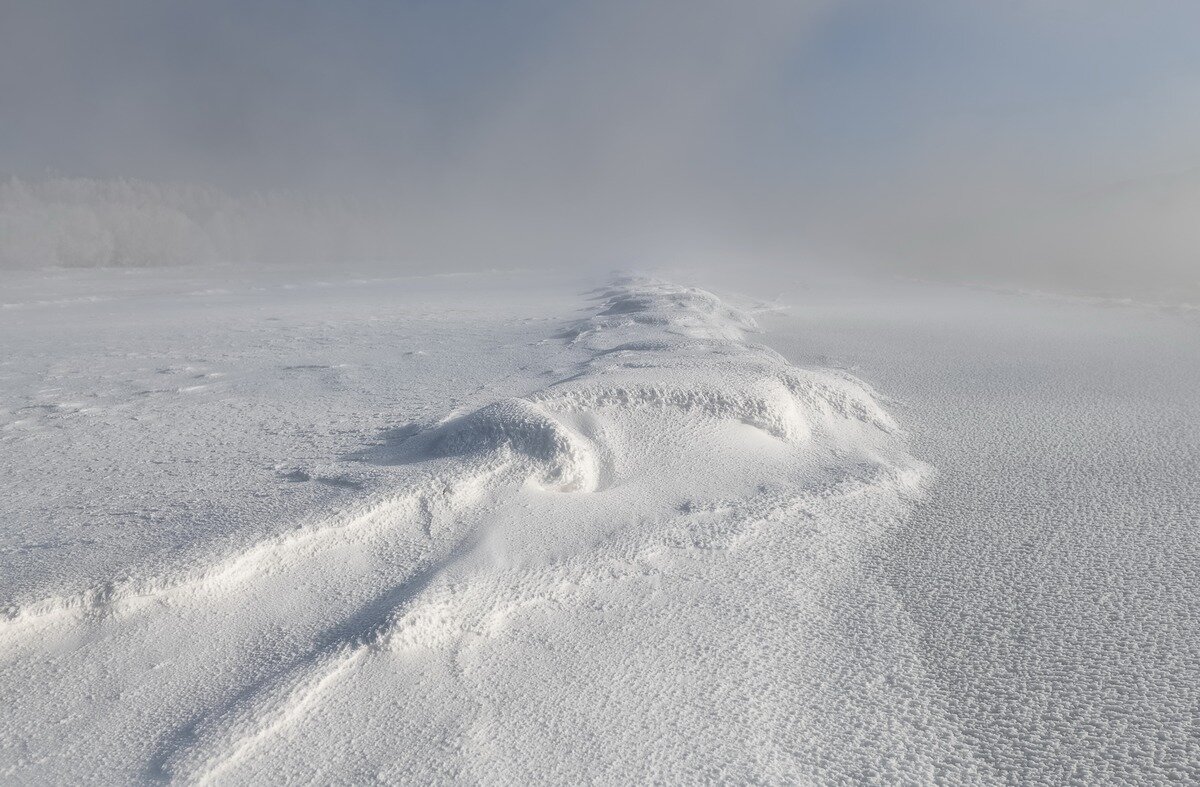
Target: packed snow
x=507, y=528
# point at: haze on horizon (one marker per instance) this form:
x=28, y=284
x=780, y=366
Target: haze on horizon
x=1027, y=142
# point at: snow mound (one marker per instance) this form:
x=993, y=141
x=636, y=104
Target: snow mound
x=561, y=459
x=683, y=311
x=702, y=368
x=698, y=361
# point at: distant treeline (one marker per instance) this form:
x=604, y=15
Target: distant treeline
x=79, y=222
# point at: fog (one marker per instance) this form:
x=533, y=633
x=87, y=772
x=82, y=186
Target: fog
x=1024, y=143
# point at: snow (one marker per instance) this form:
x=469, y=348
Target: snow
x=1053, y=572
x=511, y=527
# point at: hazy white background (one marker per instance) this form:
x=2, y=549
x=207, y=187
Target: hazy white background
x=1033, y=143
x=959, y=546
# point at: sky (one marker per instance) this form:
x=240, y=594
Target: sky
x=913, y=135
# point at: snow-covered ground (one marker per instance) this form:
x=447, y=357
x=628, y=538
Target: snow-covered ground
x=1052, y=575
x=506, y=527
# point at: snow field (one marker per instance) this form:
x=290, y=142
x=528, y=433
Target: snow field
x=650, y=567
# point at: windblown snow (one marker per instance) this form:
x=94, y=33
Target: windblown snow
x=652, y=564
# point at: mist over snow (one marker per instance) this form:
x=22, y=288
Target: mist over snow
x=601, y=392
x=83, y=223
x=973, y=142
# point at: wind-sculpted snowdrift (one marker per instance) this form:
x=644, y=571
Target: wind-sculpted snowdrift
x=655, y=567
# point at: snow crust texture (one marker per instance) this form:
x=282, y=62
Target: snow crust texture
x=653, y=567
x=1053, y=568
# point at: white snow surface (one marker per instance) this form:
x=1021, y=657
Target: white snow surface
x=632, y=568
x=508, y=528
